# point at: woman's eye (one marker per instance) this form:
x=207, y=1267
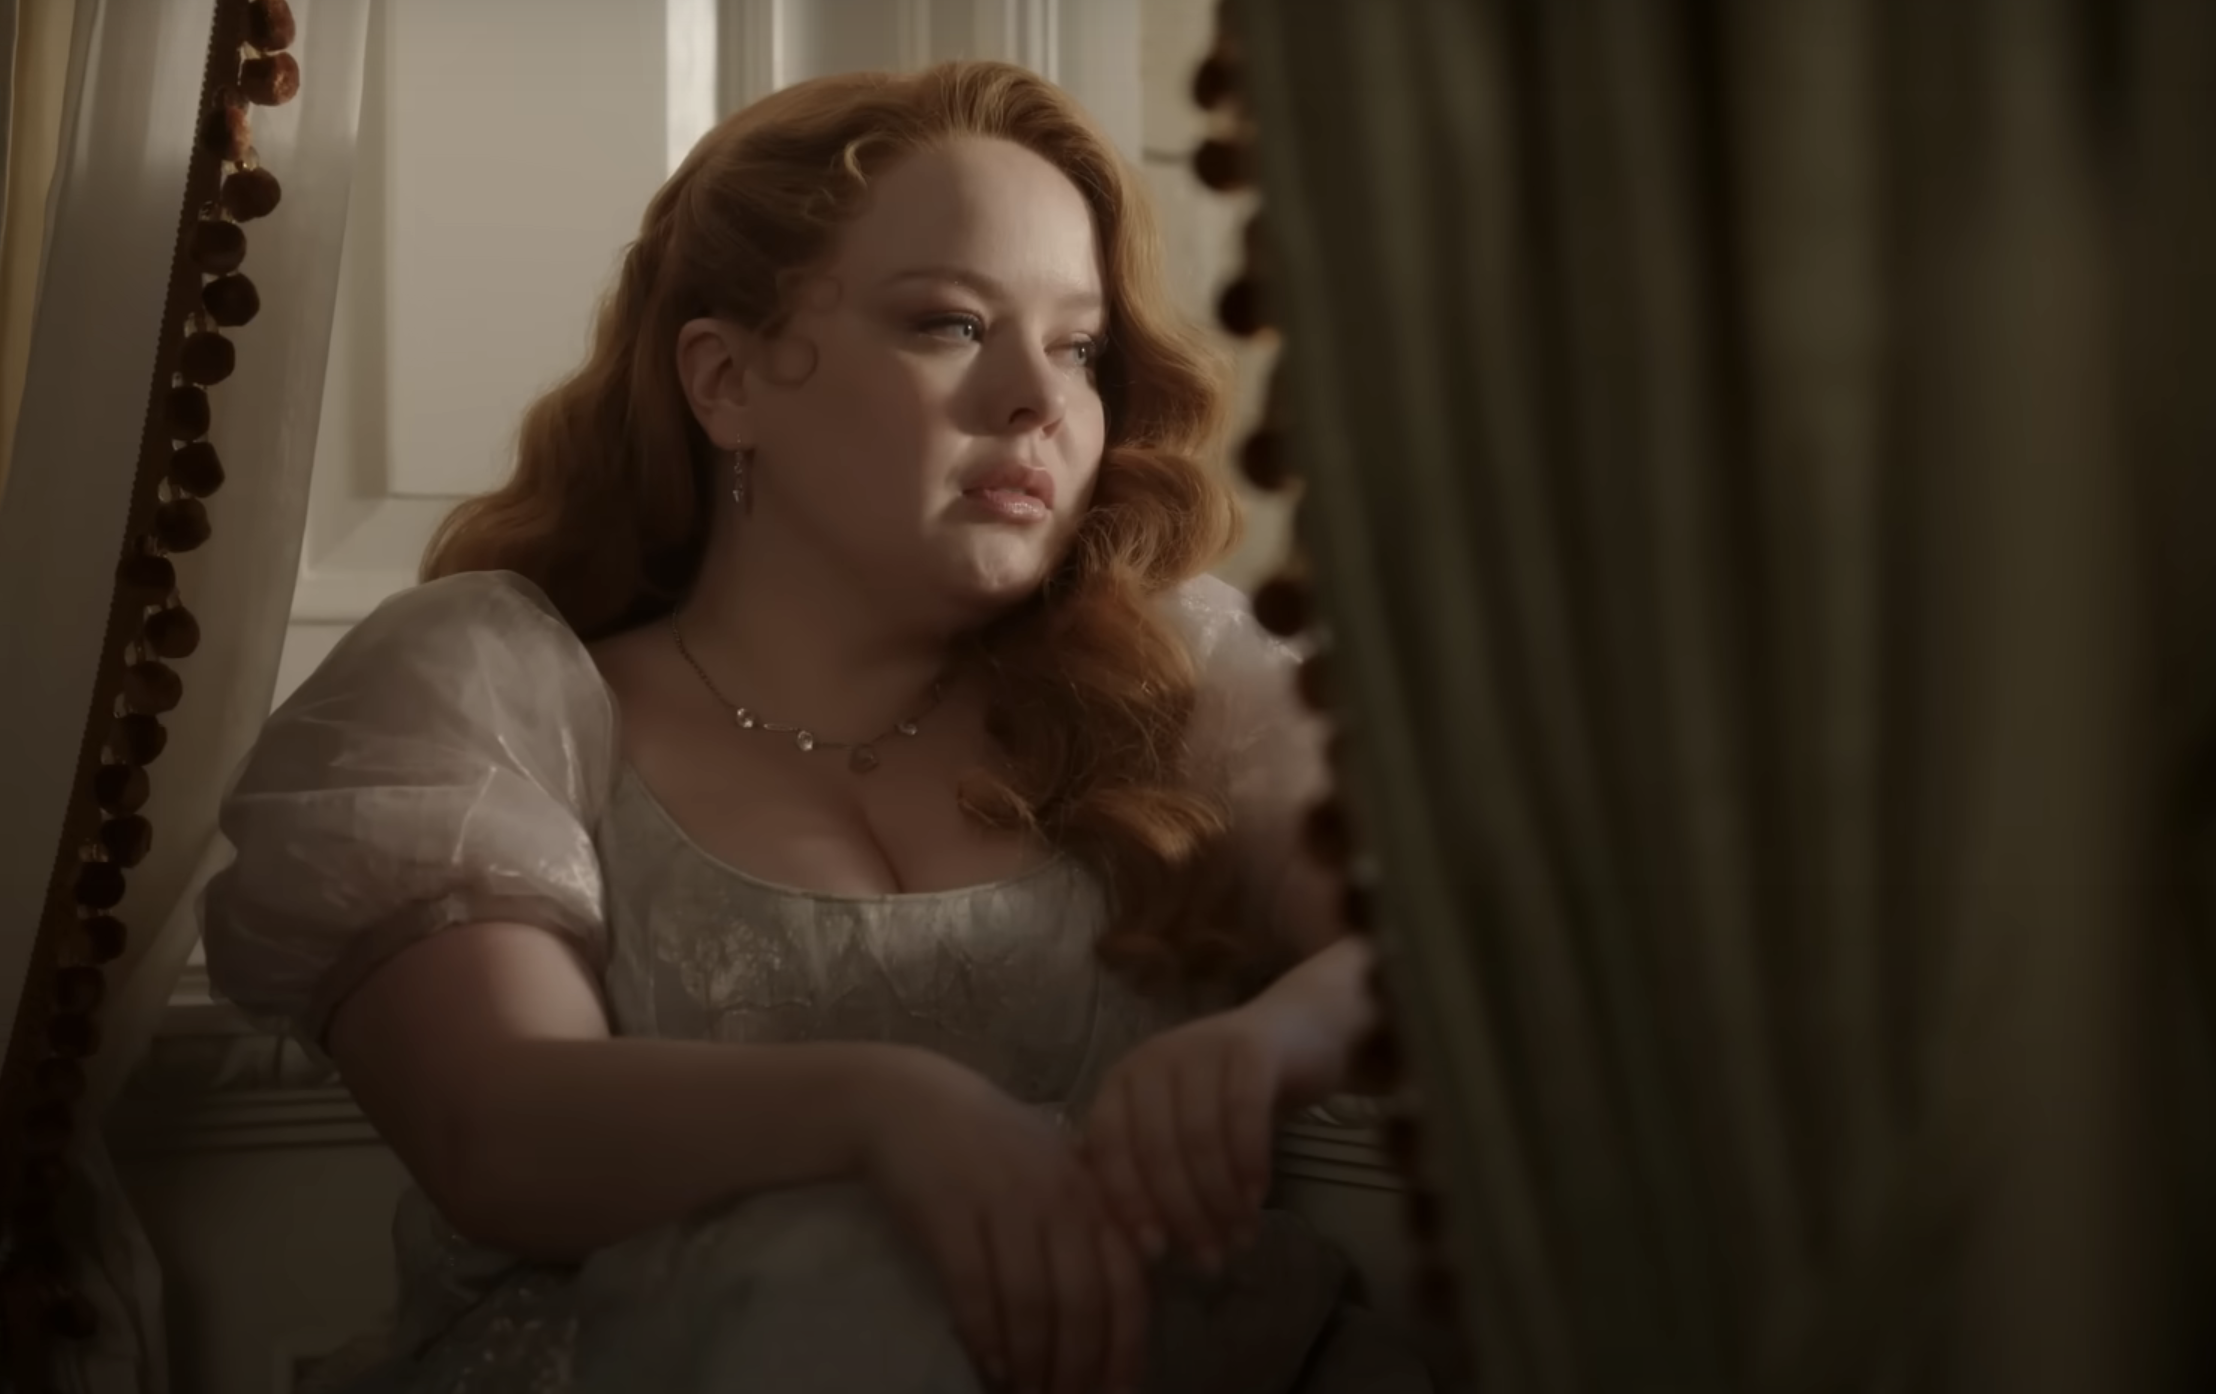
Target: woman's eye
x=1084, y=350
x=963, y=328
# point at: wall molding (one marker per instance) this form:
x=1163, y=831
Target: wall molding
x=211, y=1081
x=750, y=57
x=1346, y=1155
x=276, y=1118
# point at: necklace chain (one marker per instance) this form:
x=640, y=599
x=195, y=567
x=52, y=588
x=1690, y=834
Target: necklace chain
x=862, y=756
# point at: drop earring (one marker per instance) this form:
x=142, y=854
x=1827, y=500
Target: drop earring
x=742, y=482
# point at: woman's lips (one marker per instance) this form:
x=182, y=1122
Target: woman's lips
x=1013, y=491
x=1008, y=505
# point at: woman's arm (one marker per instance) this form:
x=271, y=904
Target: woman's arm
x=1317, y=1015
x=1323, y=1003
x=1180, y=1133
x=483, y=1057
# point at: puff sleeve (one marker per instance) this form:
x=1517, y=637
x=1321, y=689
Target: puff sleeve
x=1251, y=732
x=446, y=764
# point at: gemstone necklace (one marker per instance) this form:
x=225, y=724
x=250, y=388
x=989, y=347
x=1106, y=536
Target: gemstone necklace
x=862, y=756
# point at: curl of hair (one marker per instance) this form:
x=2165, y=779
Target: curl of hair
x=614, y=481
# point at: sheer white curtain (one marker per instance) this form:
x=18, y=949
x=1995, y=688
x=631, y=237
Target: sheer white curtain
x=34, y=62
x=128, y=123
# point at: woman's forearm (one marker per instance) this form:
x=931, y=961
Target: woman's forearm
x=1323, y=1010
x=573, y=1145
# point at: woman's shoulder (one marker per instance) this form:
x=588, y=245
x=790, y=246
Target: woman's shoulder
x=1208, y=594
x=1216, y=620
x=447, y=762
x=487, y=605
x=488, y=623
x=477, y=649
x=1207, y=610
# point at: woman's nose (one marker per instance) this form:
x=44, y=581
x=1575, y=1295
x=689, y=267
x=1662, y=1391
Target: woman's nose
x=1035, y=395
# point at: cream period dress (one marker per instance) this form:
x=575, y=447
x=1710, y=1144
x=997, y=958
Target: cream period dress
x=455, y=759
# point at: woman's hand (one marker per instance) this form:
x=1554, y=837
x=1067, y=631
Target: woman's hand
x=1046, y=1291
x=1180, y=1133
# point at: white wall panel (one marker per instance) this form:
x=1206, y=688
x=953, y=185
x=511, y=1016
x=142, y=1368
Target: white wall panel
x=524, y=137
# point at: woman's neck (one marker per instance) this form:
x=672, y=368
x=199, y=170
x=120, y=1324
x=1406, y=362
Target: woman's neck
x=794, y=637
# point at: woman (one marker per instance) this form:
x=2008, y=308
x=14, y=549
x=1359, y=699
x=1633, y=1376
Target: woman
x=835, y=680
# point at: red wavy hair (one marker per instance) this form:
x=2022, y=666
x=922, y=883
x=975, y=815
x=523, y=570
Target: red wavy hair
x=608, y=506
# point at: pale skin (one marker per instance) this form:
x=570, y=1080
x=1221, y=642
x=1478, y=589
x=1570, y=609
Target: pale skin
x=951, y=332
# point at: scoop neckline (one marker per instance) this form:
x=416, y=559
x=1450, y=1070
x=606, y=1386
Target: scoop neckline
x=638, y=785
x=627, y=773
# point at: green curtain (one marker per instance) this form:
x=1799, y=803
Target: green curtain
x=1754, y=453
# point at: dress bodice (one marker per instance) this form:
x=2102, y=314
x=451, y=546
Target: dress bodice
x=1001, y=977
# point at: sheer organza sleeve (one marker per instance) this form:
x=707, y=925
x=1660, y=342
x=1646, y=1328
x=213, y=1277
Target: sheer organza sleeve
x=1252, y=733
x=446, y=764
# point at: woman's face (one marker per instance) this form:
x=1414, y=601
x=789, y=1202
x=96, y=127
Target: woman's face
x=930, y=416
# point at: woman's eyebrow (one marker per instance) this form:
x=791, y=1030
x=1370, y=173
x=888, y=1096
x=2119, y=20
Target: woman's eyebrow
x=980, y=284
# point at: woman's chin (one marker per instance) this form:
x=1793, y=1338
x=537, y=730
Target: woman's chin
x=995, y=578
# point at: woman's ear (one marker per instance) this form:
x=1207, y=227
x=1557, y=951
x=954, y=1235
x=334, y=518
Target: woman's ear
x=712, y=358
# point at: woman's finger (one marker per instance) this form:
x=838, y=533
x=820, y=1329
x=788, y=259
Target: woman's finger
x=1250, y=1125
x=956, y=1238
x=1080, y=1301
x=1108, y=1153
x=1204, y=1142
x=1021, y=1291
x=1159, y=1149
x=1125, y=1339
